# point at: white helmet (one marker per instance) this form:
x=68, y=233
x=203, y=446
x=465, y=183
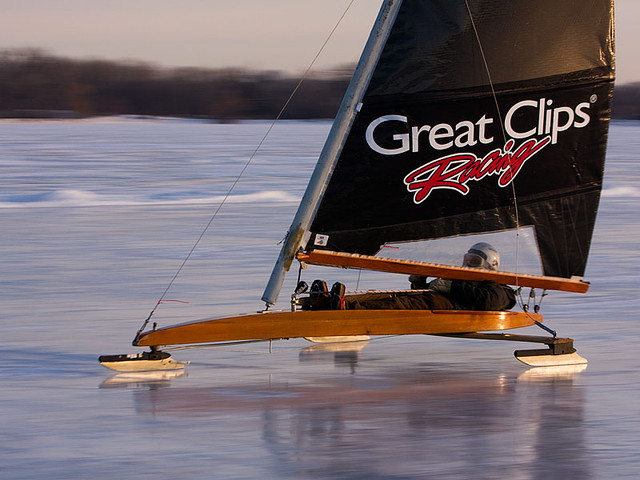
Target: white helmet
x=482, y=255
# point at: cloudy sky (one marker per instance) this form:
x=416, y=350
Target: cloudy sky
x=258, y=34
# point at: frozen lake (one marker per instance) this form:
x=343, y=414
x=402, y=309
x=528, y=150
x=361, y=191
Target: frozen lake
x=97, y=216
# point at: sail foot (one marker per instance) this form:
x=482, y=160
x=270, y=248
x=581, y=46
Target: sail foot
x=347, y=260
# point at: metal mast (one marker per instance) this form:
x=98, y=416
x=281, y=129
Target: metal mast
x=299, y=229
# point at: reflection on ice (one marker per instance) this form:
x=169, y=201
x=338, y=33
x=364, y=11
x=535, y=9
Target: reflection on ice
x=334, y=347
x=559, y=372
x=430, y=420
x=340, y=353
x=140, y=379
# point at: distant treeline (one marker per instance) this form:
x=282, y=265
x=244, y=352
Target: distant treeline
x=35, y=84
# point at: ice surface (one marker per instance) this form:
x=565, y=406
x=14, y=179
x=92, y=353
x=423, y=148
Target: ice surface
x=98, y=215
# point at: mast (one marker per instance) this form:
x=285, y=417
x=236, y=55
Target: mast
x=335, y=141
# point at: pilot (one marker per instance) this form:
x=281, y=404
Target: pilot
x=472, y=295
x=439, y=294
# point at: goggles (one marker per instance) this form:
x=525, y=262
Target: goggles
x=474, y=260
x=477, y=259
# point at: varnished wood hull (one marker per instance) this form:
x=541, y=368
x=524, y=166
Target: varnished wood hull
x=279, y=325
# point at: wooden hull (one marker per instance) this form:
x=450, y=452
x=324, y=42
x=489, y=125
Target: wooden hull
x=324, y=323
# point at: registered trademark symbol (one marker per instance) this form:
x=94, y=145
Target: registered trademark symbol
x=594, y=98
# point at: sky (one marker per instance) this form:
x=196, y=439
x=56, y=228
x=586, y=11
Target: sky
x=255, y=34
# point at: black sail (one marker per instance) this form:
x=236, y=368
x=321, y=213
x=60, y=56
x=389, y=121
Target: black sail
x=473, y=108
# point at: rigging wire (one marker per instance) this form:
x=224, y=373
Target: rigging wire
x=504, y=135
x=246, y=165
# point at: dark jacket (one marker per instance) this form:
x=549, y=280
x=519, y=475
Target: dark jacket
x=484, y=295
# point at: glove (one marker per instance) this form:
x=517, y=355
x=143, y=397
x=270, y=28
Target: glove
x=418, y=282
x=441, y=285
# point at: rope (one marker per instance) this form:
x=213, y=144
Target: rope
x=249, y=161
x=513, y=188
x=504, y=135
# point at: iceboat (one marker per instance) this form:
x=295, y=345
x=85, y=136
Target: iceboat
x=463, y=118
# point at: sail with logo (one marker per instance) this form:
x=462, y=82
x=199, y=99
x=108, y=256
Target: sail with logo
x=479, y=116
x=462, y=117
